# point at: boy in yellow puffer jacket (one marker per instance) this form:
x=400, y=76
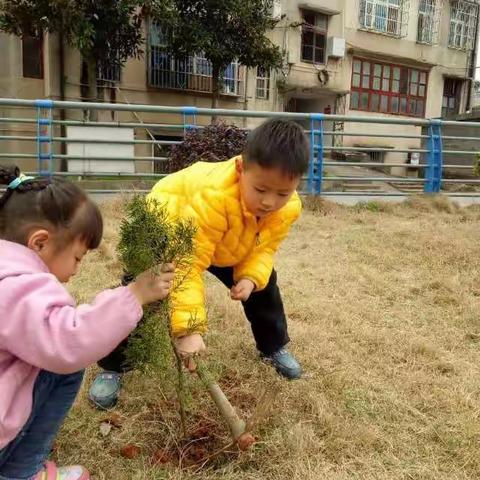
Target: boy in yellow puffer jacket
x=243, y=209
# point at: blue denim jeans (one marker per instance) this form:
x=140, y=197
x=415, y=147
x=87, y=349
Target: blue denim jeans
x=53, y=396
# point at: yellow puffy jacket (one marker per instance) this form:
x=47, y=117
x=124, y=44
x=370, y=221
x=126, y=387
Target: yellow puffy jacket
x=227, y=235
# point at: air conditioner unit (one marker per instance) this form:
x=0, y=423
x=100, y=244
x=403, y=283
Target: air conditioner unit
x=335, y=47
x=292, y=56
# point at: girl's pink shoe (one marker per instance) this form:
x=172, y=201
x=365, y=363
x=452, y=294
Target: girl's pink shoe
x=51, y=472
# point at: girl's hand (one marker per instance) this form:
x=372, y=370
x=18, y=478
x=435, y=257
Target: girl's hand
x=154, y=284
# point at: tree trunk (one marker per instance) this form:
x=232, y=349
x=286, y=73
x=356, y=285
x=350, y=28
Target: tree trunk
x=92, y=87
x=215, y=88
x=113, y=99
x=63, y=130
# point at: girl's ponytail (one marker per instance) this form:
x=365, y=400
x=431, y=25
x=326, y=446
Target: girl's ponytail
x=52, y=203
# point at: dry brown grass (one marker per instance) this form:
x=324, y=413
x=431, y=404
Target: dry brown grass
x=383, y=303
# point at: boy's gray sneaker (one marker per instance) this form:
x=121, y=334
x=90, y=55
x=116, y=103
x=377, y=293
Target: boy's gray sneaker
x=285, y=364
x=105, y=390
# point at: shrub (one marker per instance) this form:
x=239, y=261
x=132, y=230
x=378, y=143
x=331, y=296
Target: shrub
x=217, y=142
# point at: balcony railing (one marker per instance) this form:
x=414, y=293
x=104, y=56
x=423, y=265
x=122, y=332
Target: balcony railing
x=193, y=73
x=389, y=17
x=109, y=74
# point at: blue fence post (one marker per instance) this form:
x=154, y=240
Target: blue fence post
x=434, y=171
x=189, y=123
x=44, y=137
x=315, y=173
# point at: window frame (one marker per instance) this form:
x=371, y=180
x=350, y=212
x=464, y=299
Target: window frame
x=457, y=97
x=316, y=31
x=467, y=26
x=262, y=84
x=111, y=75
x=38, y=52
x=371, y=9
x=430, y=14
x=191, y=74
x=388, y=88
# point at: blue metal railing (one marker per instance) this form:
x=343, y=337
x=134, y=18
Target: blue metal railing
x=315, y=173
x=433, y=173
x=44, y=137
x=325, y=168
x=189, y=118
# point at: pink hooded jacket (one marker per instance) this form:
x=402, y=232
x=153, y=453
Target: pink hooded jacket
x=41, y=328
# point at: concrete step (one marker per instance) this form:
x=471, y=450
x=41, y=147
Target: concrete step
x=408, y=187
x=363, y=186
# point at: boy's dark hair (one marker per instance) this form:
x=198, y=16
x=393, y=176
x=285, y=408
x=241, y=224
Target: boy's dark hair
x=45, y=202
x=278, y=143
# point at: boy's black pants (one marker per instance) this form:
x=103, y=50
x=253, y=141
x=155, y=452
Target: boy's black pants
x=264, y=310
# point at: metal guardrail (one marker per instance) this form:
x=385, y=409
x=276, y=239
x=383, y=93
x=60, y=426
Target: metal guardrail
x=430, y=143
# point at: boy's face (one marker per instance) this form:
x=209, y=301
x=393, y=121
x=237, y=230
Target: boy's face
x=264, y=190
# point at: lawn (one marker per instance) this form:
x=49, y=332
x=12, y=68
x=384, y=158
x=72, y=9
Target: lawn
x=383, y=305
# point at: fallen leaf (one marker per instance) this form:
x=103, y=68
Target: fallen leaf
x=160, y=456
x=130, y=451
x=197, y=452
x=114, y=419
x=245, y=441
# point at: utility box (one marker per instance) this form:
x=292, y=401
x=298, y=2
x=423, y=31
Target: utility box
x=91, y=153
x=335, y=47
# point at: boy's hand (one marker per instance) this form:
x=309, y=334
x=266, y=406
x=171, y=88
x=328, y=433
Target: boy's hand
x=188, y=346
x=151, y=286
x=242, y=290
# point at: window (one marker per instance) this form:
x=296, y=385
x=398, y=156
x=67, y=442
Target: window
x=386, y=88
x=452, y=94
x=109, y=74
x=191, y=73
x=476, y=94
x=230, y=79
x=314, y=37
x=384, y=16
x=428, y=21
x=32, y=57
x=263, y=83
x=463, y=23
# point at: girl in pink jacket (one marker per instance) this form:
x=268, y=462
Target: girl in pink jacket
x=46, y=227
